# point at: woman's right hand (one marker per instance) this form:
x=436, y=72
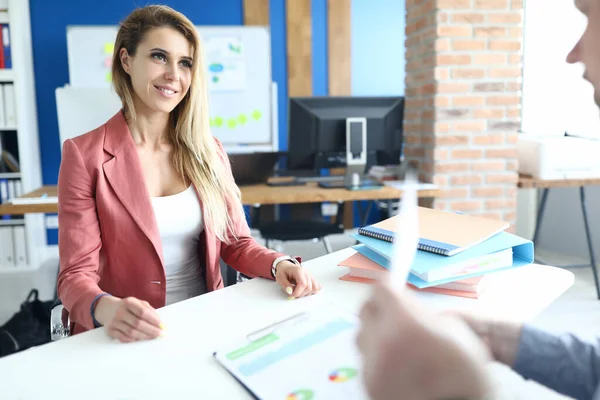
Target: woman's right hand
x=128, y=319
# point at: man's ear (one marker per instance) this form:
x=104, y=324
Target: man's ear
x=125, y=59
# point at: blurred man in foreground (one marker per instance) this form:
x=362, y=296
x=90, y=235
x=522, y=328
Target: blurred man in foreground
x=412, y=353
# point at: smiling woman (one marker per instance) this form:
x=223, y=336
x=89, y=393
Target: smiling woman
x=156, y=73
x=147, y=203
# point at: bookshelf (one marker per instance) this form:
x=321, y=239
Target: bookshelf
x=20, y=136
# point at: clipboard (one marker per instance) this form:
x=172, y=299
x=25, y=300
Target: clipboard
x=308, y=356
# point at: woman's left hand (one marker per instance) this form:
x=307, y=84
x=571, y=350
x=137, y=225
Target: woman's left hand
x=295, y=280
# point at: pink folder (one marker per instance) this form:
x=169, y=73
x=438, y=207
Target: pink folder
x=364, y=270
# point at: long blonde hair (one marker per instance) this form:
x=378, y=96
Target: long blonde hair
x=195, y=156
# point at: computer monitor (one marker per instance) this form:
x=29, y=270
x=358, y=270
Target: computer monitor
x=317, y=130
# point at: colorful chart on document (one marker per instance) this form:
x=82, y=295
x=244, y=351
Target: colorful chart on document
x=342, y=375
x=312, y=357
x=302, y=394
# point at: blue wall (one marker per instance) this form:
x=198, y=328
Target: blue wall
x=279, y=63
x=377, y=55
x=319, y=48
x=378, y=36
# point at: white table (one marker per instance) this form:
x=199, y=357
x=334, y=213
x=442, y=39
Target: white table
x=181, y=366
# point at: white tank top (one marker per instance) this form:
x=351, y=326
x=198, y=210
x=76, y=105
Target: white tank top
x=180, y=223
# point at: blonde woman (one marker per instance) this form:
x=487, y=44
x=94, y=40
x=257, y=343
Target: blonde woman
x=147, y=202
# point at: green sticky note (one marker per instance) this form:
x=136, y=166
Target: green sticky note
x=218, y=122
x=256, y=114
x=109, y=48
x=242, y=119
x=109, y=76
x=231, y=123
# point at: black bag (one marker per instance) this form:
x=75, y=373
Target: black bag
x=27, y=328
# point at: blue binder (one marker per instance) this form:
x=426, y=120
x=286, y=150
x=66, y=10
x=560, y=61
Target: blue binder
x=381, y=252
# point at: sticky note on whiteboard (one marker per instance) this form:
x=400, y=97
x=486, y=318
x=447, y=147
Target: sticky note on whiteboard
x=109, y=48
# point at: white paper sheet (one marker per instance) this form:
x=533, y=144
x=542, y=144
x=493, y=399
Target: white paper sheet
x=310, y=356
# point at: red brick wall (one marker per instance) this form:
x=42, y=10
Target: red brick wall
x=463, y=96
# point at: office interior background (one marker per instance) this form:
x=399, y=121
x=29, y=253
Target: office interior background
x=476, y=75
x=486, y=84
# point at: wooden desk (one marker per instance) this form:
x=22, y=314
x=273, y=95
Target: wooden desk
x=251, y=195
x=529, y=182
x=50, y=208
x=312, y=193
x=181, y=366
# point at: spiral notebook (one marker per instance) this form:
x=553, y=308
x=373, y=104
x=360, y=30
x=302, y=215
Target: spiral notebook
x=441, y=232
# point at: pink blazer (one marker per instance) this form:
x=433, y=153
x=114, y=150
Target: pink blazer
x=108, y=236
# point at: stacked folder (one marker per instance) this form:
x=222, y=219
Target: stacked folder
x=454, y=255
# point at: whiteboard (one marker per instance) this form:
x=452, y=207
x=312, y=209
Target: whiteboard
x=81, y=110
x=238, y=63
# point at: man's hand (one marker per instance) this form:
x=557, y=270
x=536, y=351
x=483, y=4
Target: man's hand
x=410, y=352
x=501, y=337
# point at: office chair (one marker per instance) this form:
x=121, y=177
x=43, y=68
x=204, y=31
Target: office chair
x=60, y=323
x=288, y=230
x=93, y=107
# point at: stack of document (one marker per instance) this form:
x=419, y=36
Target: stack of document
x=455, y=252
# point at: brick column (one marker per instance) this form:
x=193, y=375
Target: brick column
x=463, y=96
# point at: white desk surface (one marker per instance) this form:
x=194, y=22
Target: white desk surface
x=180, y=365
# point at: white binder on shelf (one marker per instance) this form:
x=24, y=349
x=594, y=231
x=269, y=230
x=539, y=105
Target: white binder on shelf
x=11, y=189
x=10, y=111
x=81, y=110
x=3, y=191
x=3, y=249
x=20, y=246
x=2, y=107
x=6, y=248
